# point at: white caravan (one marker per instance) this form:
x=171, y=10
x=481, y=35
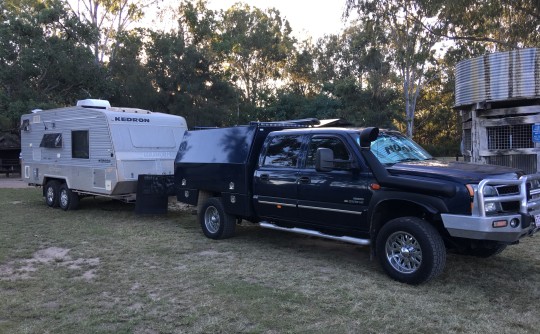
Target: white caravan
x=95, y=149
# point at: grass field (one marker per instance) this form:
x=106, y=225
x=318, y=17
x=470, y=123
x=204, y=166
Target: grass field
x=102, y=269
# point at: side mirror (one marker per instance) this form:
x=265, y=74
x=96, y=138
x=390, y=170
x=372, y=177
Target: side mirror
x=324, y=160
x=367, y=136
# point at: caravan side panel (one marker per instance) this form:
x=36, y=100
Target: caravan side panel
x=80, y=154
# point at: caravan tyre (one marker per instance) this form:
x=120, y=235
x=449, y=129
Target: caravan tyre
x=67, y=199
x=215, y=222
x=51, y=193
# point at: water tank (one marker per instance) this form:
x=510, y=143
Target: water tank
x=512, y=75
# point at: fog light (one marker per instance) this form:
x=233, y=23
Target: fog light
x=233, y=199
x=186, y=194
x=500, y=223
x=514, y=222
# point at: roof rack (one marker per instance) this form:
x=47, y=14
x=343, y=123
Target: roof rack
x=301, y=123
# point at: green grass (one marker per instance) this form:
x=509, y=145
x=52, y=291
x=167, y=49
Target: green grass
x=103, y=269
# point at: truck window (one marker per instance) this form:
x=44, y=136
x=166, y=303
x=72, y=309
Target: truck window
x=392, y=147
x=283, y=151
x=333, y=143
x=80, y=144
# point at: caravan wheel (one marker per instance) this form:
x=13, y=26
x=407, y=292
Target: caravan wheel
x=68, y=200
x=51, y=193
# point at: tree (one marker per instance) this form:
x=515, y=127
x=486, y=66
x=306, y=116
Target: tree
x=496, y=25
x=254, y=46
x=110, y=19
x=410, y=45
x=353, y=69
x=44, y=61
x=184, y=83
x=300, y=71
x=130, y=81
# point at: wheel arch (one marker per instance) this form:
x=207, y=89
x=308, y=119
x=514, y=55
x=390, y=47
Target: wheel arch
x=46, y=179
x=202, y=196
x=398, y=205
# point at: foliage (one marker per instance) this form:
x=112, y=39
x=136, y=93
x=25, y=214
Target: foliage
x=43, y=59
x=389, y=68
x=353, y=69
x=409, y=46
x=184, y=83
x=496, y=25
x=253, y=46
x=110, y=18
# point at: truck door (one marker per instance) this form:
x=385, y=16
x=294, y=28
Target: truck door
x=334, y=199
x=275, y=180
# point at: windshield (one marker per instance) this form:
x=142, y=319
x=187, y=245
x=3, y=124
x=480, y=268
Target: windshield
x=393, y=147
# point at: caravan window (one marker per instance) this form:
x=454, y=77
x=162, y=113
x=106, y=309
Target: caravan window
x=80, y=144
x=51, y=140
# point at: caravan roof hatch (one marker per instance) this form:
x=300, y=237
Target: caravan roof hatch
x=94, y=103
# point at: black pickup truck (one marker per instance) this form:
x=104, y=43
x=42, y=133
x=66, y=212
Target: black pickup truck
x=361, y=186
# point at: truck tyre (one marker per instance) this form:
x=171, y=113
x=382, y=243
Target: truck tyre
x=215, y=222
x=67, y=199
x=410, y=250
x=51, y=193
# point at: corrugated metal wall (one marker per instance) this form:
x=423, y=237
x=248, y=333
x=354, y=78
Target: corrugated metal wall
x=498, y=76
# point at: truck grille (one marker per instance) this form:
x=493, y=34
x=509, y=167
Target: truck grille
x=507, y=190
x=514, y=190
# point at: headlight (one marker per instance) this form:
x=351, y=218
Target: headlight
x=489, y=191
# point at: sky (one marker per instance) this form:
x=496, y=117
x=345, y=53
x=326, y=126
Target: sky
x=308, y=18
x=313, y=18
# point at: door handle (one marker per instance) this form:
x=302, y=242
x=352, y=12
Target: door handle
x=304, y=180
x=264, y=177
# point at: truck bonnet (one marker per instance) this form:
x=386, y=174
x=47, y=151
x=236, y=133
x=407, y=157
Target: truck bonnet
x=385, y=179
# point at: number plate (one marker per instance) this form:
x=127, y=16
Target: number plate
x=537, y=220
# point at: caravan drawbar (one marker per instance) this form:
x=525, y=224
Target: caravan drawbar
x=93, y=149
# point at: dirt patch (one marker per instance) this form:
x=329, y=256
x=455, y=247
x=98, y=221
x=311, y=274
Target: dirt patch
x=22, y=269
x=12, y=182
x=50, y=254
x=174, y=205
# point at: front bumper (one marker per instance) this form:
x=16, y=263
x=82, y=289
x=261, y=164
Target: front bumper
x=480, y=225
x=481, y=228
